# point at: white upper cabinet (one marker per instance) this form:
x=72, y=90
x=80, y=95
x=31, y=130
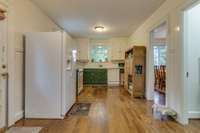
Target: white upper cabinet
x=119, y=46
x=83, y=49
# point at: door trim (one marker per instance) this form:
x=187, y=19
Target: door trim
x=4, y=71
x=184, y=60
x=149, y=82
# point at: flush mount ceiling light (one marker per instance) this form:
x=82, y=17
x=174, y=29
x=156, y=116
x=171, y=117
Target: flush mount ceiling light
x=99, y=28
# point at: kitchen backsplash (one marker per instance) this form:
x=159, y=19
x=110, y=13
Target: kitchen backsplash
x=97, y=65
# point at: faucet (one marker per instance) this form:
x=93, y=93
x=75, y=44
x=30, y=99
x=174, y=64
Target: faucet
x=100, y=65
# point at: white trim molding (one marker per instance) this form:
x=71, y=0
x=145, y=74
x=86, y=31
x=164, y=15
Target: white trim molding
x=19, y=115
x=193, y=114
x=184, y=66
x=149, y=60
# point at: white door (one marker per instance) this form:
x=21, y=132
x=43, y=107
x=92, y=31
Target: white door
x=192, y=58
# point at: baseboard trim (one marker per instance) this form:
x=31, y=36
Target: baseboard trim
x=194, y=114
x=19, y=116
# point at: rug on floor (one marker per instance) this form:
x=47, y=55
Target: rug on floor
x=80, y=109
x=24, y=130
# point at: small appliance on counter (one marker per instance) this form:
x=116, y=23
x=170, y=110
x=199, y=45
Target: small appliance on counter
x=121, y=65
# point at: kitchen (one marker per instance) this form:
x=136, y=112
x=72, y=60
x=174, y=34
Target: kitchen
x=87, y=66
x=102, y=61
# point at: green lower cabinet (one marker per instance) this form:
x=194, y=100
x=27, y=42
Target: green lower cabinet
x=95, y=76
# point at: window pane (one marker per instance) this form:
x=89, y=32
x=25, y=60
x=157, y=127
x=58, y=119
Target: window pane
x=99, y=53
x=160, y=55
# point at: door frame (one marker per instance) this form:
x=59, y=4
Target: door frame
x=184, y=59
x=150, y=61
x=4, y=72
x=10, y=66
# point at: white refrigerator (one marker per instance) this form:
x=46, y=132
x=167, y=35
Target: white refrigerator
x=49, y=75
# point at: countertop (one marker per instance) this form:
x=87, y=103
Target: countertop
x=104, y=68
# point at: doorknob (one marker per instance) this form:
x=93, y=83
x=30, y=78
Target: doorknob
x=4, y=74
x=4, y=66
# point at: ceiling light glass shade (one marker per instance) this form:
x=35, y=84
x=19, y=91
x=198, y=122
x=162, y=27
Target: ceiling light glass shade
x=99, y=28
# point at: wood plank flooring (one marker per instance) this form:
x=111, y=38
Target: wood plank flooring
x=112, y=111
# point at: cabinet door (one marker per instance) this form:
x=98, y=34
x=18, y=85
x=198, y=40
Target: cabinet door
x=127, y=66
x=126, y=74
x=113, y=77
x=122, y=50
x=118, y=49
x=115, y=51
x=83, y=49
x=131, y=66
x=83, y=53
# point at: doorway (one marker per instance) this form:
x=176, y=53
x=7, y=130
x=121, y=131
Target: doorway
x=191, y=32
x=159, y=61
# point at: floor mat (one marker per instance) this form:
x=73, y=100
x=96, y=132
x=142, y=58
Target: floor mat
x=80, y=109
x=24, y=130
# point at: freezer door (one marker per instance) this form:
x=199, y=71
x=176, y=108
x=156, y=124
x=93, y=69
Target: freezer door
x=43, y=60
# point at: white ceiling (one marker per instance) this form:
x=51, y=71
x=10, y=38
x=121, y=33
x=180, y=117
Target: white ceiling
x=78, y=17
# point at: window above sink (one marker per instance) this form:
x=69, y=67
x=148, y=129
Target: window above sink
x=100, y=53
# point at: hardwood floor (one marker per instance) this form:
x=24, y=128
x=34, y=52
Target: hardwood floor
x=112, y=111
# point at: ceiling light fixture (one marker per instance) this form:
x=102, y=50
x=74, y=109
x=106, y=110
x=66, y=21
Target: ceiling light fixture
x=99, y=28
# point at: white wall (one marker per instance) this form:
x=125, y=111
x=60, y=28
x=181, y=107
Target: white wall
x=193, y=42
x=171, y=11
x=24, y=16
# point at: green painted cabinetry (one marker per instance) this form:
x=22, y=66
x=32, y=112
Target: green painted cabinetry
x=95, y=76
